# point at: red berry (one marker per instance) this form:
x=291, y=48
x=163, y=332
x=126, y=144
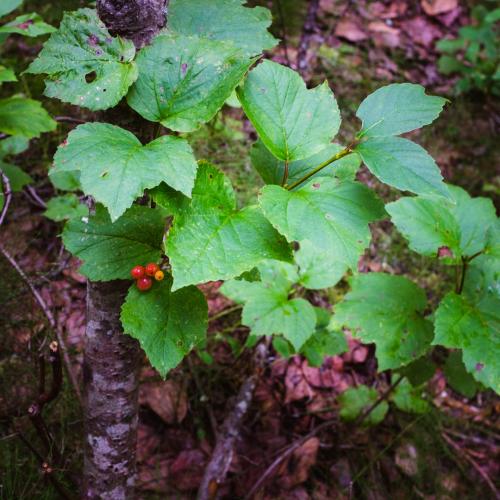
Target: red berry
x=138, y=272
x=152, y=268
x=144, y=284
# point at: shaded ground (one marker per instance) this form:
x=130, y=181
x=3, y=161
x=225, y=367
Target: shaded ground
x=357, y=46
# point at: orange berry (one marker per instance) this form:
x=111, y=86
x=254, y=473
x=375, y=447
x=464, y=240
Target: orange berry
x=159, y=275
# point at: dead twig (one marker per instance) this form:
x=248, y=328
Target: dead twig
x=33, y=195
x=44, y=398
x=36, y=294
x=46, y=468
x=7, y=194
x=461, y=453
x=325, y=425
x=68, y=119
x=284, y=34
x=307, y=33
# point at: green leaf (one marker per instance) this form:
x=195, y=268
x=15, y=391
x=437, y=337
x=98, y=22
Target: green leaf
x=324, y=342
x=183, y=81
x=116, y=168
x=357, y=400
x=167, y=324
x=13, y=145
x=8, y=6
x=293, y=122
x=398, y=108
x=317, y=270
x=171, y=200
x=268, y=310
x=403, y=164
x=474, y=327
x=31, y=25
x=85, y=65
x=65, y=181
x=450, y=46
x=408, y=398
x=17, y=177
x=110, y=250
x=388, y=311
x=457, y=376
x=283, y=347
x=212, y=240
x=332, y=215
x=419, y=371
x=432, y=223
x=223, y=20
x=271, y=169
x=65, y=207
x=448, y=65
x=7, y=75
x=25, y=117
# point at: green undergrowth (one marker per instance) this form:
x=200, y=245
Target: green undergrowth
x=406, y=457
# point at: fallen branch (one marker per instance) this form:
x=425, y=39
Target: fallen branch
x=218, y=467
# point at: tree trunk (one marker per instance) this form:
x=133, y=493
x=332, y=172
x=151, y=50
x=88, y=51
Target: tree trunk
x=111, y=360
x=110, y=373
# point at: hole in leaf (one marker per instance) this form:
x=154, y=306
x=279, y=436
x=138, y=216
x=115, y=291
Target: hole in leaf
x=90, y=77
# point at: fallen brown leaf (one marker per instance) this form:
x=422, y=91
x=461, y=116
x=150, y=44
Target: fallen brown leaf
x=350, y=30
x=302, y=460
x=167, y=399
x=436, y=7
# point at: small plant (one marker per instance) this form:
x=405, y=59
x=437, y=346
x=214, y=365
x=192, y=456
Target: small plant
x=155, y=201
x=21, y=119
x=475, y=54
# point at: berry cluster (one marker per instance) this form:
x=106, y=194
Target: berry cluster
x=143, y=276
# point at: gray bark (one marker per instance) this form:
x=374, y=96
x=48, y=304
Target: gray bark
x=112, y=359
x=137, y=20
x=110, y=373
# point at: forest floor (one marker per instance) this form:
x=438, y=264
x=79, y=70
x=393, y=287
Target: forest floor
x=449, y=452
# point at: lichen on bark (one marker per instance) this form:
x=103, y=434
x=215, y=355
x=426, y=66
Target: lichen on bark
x=110, y=373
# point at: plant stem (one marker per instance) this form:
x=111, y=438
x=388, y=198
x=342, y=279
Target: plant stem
x=347, y=151
x=460, y=284
x=285, y=174
x=224, y=312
